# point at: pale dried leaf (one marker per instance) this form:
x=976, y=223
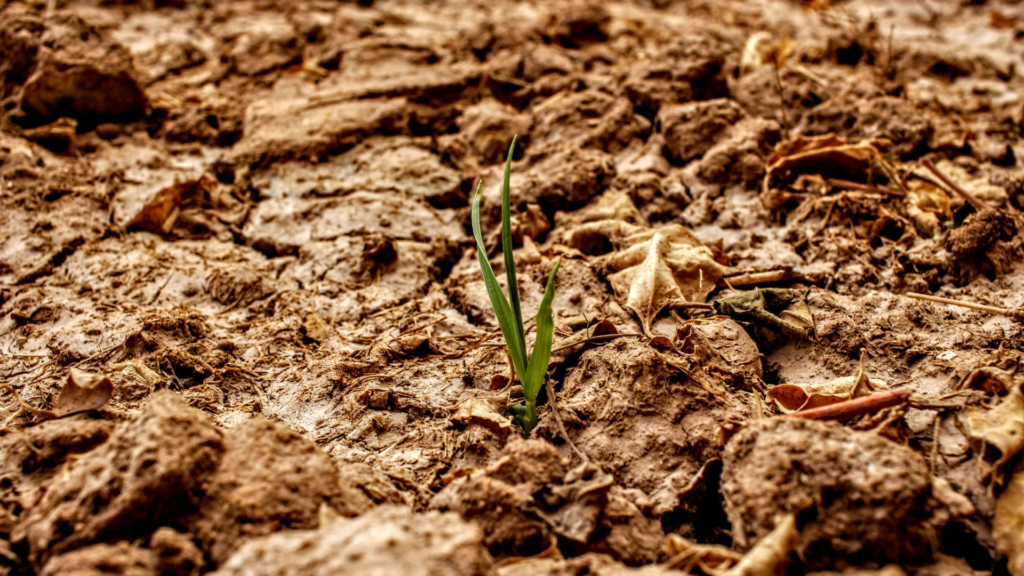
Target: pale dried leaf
x=689, y=557
x=484, y=411
x=662, y=267
x=1001, y=427
x=771, y=554
x=1008, y=523
x=611, y=206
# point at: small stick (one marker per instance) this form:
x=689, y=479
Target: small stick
x=1016, y=314
x=748, y=278
x=552, y=397
x=848, y=185
x=782, y=96
x=978, y=203
x=593, y=339
x=855, y=407
x=422, y=326
x=824, y=224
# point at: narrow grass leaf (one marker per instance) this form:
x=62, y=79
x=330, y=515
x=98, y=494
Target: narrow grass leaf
x=506, y=247
x=538, y=365
x=506, y=318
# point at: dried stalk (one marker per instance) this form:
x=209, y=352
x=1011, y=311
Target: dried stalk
x=855, y=407
x=1016, y=314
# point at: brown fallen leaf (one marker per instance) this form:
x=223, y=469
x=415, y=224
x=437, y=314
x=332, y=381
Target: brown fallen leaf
x=195, y=208
x=828, y=155
x=1001, y=427
x=660, y=268
x=83, y=391
x=793, y=397
x=771, y=554
x=1008, y=523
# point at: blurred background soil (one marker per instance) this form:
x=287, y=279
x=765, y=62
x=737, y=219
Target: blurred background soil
x=253, y=218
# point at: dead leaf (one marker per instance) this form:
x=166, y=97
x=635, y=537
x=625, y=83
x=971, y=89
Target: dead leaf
x=1001, y=427
x=793, y=397
x=1008, y=523
x=196, y=208
x=771, y=554
x=689, y=557
x=660, y=268
x=793, y=317
x=83, y=391
x=485, y=411
x=828, y=155
x=989, y=379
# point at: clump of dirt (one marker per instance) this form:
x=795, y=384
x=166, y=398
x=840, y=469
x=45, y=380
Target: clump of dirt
x=851, y=491
x=169, y=553
x=268, y=479
x=385, y=541
x=110, y=491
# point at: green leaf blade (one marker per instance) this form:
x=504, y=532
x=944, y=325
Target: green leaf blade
x=537, y=367
x=502, y=310
x=506, y=248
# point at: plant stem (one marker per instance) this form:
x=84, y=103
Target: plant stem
x=530, y=420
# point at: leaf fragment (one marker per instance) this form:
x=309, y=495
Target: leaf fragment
x=794, y=397
x=82, y=392
x=771, y=554
x=1001, y=427
x=827, y=155
x=1008, y=523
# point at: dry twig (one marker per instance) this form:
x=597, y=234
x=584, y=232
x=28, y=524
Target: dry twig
x=1017, y=313
x=855, y=407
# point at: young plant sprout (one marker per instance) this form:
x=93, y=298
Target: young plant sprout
x=531, y=368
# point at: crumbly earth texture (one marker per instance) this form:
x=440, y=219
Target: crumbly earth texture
x=246, y=226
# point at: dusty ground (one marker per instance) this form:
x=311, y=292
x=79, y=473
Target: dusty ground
x=252, y=217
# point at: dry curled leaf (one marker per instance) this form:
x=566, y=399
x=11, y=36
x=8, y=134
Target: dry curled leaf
x=83, y=391
x=693, y=558
x=827, y=155
x=1001, y=427
x=194, y=208
x=660, y=268
x=1008, y=523
x=793, y=397
x=771, y=554
x=780, y=308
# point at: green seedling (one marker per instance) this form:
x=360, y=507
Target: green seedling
x=531, y=368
